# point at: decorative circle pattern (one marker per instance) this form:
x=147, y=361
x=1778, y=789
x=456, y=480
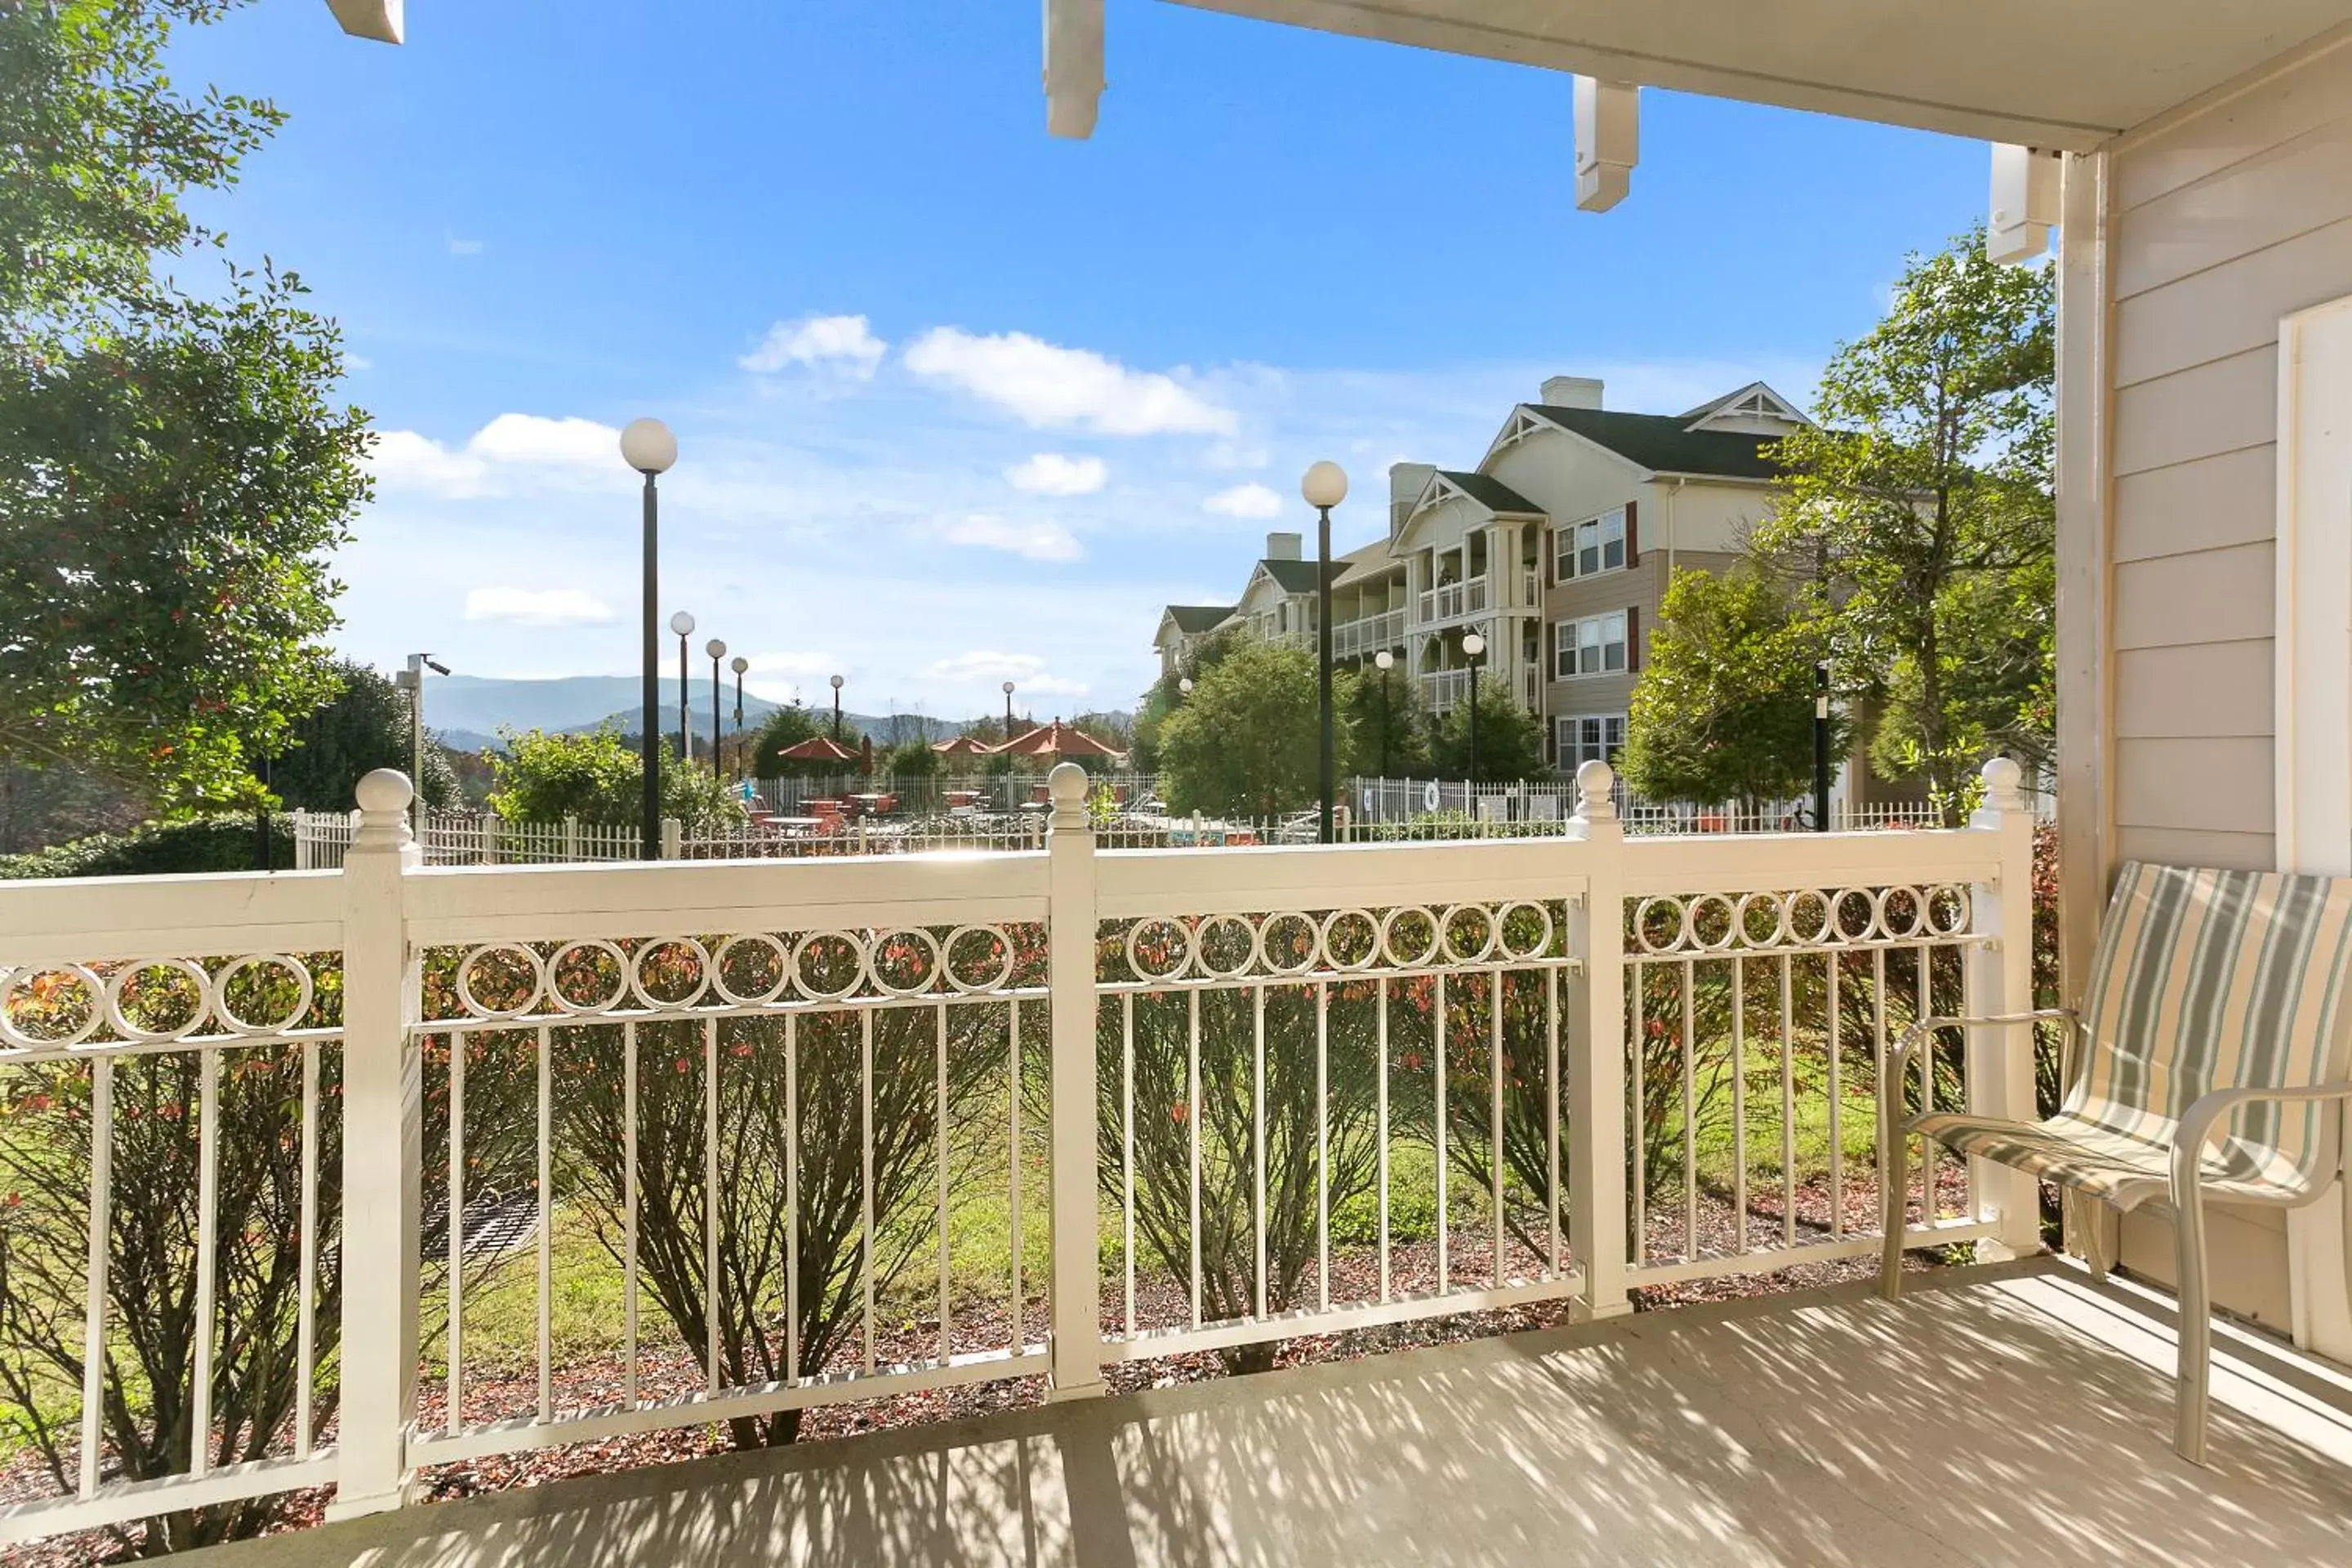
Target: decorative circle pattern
x=1702, y=925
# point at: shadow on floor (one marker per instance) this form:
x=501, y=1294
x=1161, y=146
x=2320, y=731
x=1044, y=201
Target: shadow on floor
x=1970, y=1423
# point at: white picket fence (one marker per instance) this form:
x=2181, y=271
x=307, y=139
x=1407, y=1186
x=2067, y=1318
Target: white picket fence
x=1221, y=1061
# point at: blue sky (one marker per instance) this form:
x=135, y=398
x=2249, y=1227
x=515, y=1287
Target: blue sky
x=955, y=401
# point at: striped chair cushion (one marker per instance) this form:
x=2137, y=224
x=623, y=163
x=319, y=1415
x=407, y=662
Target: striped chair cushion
x=2204, y=980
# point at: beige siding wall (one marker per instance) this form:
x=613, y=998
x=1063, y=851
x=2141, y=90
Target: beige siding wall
x=2221, y=224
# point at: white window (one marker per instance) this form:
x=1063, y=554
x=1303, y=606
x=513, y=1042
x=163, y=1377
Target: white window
x=1590, y=738
x=1596, y=544
x=1594, y=645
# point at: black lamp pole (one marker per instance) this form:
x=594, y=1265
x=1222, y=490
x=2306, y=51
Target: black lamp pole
x=1476, y=659
x=1820, y=748
x=836, y=707
x=717, y=650
x=1327, y=760
x=685, y=704
x=649, y=822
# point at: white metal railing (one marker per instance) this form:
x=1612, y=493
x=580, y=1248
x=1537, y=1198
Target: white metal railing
x=1530, y=588
x=1474, y=595
x=1441, y=688
x=1367, y=634
x=1292, y=1091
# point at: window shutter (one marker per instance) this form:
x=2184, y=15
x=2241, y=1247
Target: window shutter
x=1632, y=632
x=1551, y=650
x=1633, y=535
x=1551, y=557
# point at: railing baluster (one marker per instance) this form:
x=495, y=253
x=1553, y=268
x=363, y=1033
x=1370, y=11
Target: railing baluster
x=866, y=1184
x=1690, y=1112
x=1323, y=1142
x=1495, y=1073
x=1258, y=1138
x=1740, y=1103
x=793, y=1197
x=1382, y=1090
x=629, y=1214
x=102, y=1229
x=546, y=1295
x=1127, y=1151
x=1638, y=1070
x=712, y=1283
x=1013, y=1073
x=1551, y=1112
x=200, y=1424
x=939, y=1132
x=457, y=1226
x=1879, y=1048
x=1788, y=1105
x=1437, y=1042
x=306, y=1319
x=1927, y=1009
x=1193, y=1122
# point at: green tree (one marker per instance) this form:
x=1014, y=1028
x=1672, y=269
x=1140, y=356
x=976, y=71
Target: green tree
x=787, y=726
x=1166, y=695
x=1511, y=739
x=173, y=469
x=597, y=778
x=1920, y=516
x=1387, y=726
x=912, y=759
x=364, y=726
x=1244, y=742
x=1724, y=707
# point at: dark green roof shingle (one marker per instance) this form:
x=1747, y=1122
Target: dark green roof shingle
x=1660, y=443
x=1194, y=619
x=1490, y=492
x=1297, y=576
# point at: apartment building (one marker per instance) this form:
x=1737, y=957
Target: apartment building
x=1556, y=549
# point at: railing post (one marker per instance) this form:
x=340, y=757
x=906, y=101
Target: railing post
x=673, y=841
x=1597, y=1133
x=383, y=1157
x=1074, y=1366
x=1999, y=977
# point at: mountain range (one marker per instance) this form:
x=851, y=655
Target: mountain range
x=467, y=710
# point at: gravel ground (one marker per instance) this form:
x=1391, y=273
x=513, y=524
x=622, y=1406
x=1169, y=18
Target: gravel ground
x=1159, y=1302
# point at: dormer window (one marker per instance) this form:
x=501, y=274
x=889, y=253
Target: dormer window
x=1592, y=546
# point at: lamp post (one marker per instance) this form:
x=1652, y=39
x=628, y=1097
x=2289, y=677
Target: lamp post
x=412, y=681
x=1185, y=686
x=717, y=650
x=836, y=707
x=682, y=624
x=1008, y=710
x=1385, y=661
x=1325, y=486
x=1820, y=748
x=739, y=664
x=1472, y=647
x=647, y=446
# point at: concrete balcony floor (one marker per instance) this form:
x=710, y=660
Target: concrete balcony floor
x=2017, y=1413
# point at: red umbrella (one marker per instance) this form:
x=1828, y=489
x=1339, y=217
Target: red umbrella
x=819, y=749
x=963, y=746
x=1056, y=740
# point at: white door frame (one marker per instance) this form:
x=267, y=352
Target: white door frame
x=2314, y=697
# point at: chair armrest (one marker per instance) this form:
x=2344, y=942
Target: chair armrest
x=1899, y=1055
x=2196, y=1123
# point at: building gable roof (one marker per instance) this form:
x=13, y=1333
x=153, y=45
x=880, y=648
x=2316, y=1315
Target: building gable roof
x=1754, y=400
x=1194, y=619
x=1295, y=576
x=1664, y=443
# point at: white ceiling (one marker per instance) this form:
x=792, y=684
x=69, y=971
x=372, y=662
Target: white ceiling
x=2050, y=73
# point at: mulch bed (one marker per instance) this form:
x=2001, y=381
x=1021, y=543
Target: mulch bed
x=1159, y=1302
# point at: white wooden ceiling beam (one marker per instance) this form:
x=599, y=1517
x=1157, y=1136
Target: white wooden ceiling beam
x=376, y=19
x=2025, y=204
x=1608, y=141
x=1074, y=66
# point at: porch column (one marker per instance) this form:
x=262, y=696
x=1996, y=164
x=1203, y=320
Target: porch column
x=1073, y=1342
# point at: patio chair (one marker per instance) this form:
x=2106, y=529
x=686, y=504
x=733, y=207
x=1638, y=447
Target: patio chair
x=2212, y=1038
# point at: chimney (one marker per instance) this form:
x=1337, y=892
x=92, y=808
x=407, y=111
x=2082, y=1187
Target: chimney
x=1572, y=391
x=1283, y=546
x=1406, y=481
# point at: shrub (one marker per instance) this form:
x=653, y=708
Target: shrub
x=157, y=849
x=597, y=778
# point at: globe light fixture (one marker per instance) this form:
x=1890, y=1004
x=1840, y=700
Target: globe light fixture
x=1384, y=661
x=683, y=625
x=648, y=446
x=836, y=708
x=1325, y=485
x=739, y=665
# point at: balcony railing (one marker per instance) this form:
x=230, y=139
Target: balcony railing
x=1441, y=688
x=1450, y=601
x=1367, y=635
x=769, y=1088
x=1530, y=588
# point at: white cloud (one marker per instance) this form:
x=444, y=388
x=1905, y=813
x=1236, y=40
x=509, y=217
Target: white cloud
x=537, y=606
x=983, y=667
x=794, y=663
x=1252, y=502
x=1052, y=474
x=842, y=343
x=1036, y=540
x=404, y=459
x=1046, y=385
x=465, y=246
x=357, y=362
